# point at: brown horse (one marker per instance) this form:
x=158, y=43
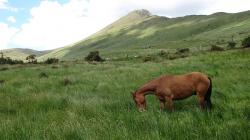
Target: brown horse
x=168, y=88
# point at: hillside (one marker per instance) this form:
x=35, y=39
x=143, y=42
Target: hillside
x=142, y=32
x=21, y=54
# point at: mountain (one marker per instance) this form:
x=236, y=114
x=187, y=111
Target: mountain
x=21, y=54
x=140, y=32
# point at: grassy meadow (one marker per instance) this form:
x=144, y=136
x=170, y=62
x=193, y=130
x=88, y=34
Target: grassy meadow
x=79, y=100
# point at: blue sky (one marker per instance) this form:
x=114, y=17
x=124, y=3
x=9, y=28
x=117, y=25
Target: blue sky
x=21, y=15
x=21, y=10
x=49, y=24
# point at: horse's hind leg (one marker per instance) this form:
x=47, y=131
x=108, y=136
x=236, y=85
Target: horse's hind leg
x=201, y=100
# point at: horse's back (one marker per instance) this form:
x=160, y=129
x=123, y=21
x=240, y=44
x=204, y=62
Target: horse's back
x=184, y=85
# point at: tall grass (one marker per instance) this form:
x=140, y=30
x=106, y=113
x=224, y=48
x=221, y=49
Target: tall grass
x=98, y=105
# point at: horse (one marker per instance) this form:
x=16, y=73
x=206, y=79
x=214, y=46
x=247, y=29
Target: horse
x=176, y=87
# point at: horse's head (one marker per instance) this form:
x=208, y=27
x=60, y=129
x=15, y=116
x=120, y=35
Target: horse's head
x=139, y=101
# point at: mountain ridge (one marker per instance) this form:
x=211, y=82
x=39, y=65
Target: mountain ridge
x=22, y=53
x=140, y=29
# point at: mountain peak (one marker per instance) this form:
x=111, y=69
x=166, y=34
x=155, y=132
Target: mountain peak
x=141, y=13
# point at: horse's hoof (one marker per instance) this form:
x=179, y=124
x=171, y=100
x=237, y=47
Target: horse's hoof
x=142, y=110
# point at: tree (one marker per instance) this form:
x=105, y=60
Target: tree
x=231, y=44
x=31, y=59
x=246, y=42
x=1, y=54
x=51, y=61
x=94, y=56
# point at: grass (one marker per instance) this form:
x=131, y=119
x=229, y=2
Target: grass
x=97, y=103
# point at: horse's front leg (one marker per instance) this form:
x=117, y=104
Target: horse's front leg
x=162, y=102
x=162, y=105
x=169, y=100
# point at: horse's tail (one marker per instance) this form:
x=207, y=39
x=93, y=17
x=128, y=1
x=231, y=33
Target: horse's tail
x=208, y=95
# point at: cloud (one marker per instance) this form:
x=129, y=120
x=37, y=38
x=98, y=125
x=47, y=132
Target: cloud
x=54, y=25
x=4, y=5
x=11, y=19
x=230, y=6
x=6, y=34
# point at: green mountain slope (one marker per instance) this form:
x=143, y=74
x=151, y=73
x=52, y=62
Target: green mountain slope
x=21, y=54
x=142, y=32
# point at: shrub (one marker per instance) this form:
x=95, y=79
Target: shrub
x=66, y=65
x=2, y=82
x=8, y=60
x=67, y=81
x=246, y=42
x=162, y=53
x=148, y=58
x=177, y=55
x=43, y=75
x=51, y=61
x=184, y=50
x=4, y=68
x=231, y=44
x=216, y=48
x=55, y=67
x=94, y=56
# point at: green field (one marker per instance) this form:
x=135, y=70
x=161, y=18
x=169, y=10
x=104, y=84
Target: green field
x=79, y=100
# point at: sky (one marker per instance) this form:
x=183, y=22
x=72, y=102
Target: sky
x=50, y=24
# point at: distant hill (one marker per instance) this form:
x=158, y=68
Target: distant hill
x=21, y=54
x=140, y=32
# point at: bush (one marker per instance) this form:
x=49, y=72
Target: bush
x=216, y=48
x=184, y=50
x=2, y=82
x=231, y=44
x=43, y=75
x=162, y=53
x=4, y=68
x=8, y=60
x=51, y=61
x=94, y=56
x=246, y=42
x=55, y=67
x=147, y=58
x=177, y=55
x=67, y=81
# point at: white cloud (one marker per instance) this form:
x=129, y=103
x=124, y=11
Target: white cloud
x=11, y=19
x=5, y=6
x=55, y=25
x=230, y=6
x=6, y=34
